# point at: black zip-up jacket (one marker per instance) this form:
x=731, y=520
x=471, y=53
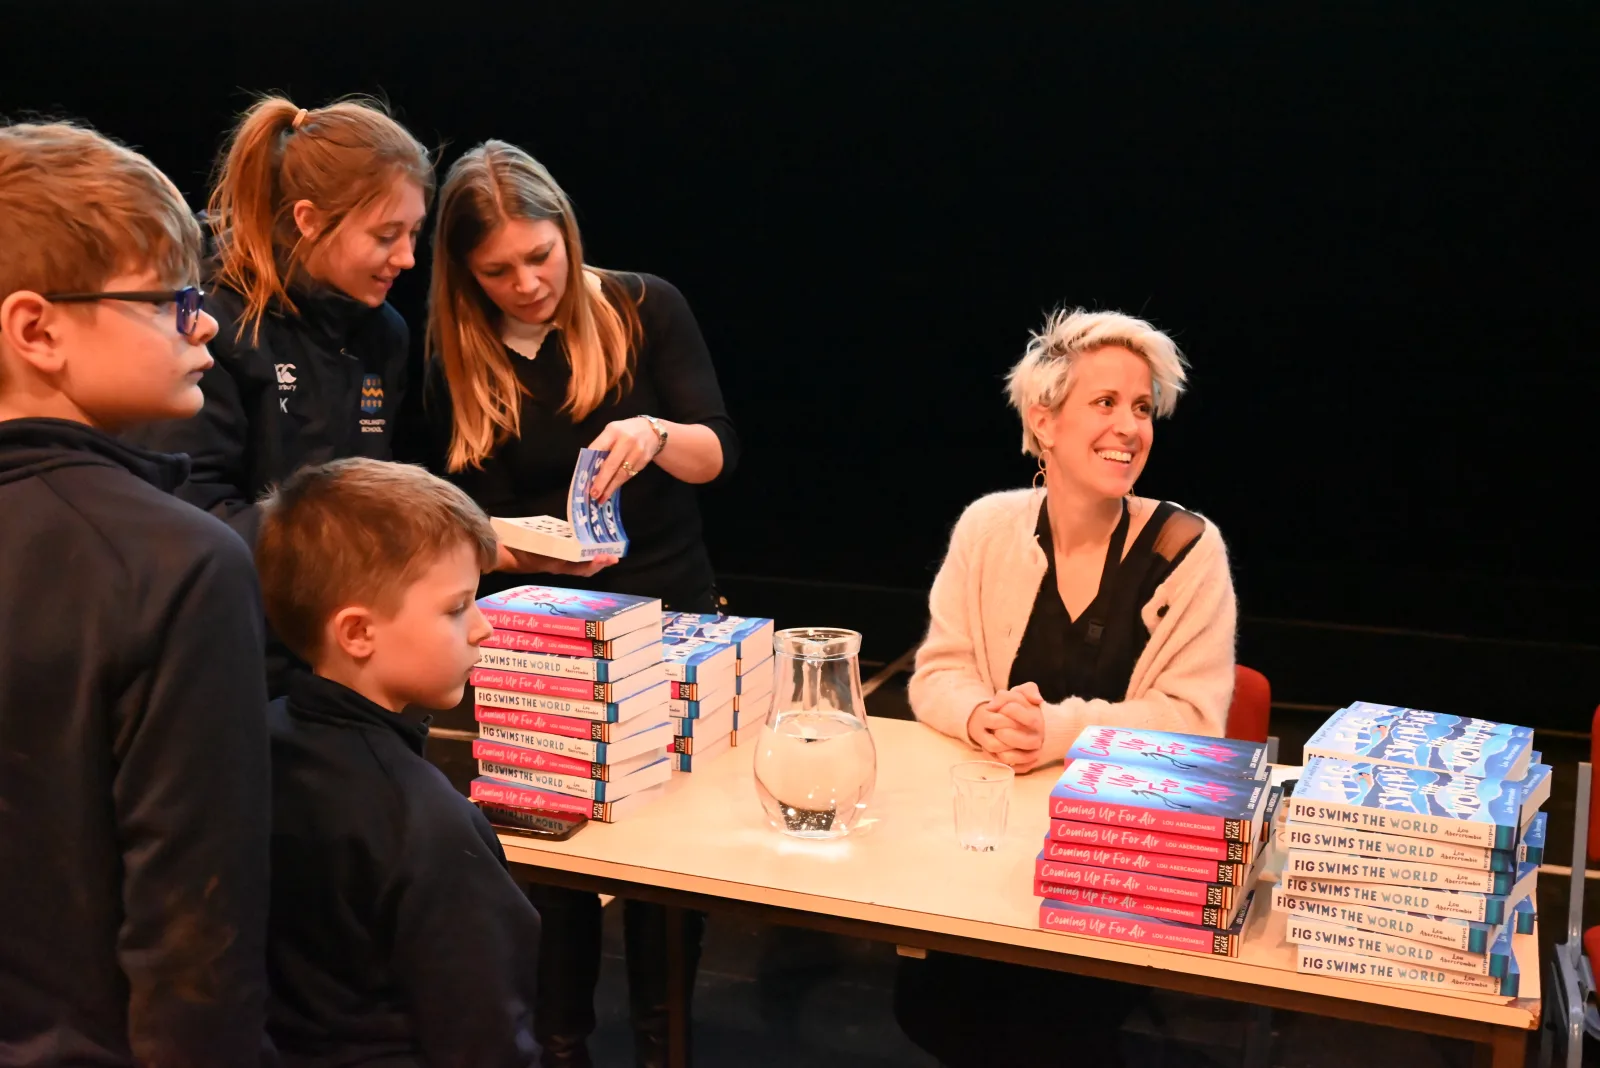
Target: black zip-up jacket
x=321, y=385
x=133, y=764
x=397, y=937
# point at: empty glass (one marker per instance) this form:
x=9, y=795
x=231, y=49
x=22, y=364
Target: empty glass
x=982, y=801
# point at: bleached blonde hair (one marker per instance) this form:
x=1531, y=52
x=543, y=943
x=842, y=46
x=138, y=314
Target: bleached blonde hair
x=1045, y=374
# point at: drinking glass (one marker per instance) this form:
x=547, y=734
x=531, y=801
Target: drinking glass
x=982, y=801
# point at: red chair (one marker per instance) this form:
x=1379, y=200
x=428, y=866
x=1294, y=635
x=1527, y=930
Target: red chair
x=1569, y=1013
x=1251, y=712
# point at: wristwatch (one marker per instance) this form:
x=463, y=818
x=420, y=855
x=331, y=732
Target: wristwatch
x=661, y=432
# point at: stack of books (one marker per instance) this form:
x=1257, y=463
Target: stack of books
x=1156, y=838
x=1413, y=844
x=571, y=699
x=751, y=638
x=706, y=668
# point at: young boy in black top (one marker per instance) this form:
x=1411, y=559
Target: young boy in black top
x=133, y=745
x=396, y=937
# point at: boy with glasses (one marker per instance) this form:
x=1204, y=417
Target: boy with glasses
x=134, y=783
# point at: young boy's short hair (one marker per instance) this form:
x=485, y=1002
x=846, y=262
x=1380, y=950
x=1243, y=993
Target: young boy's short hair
x=76, y=208
x=356, y=531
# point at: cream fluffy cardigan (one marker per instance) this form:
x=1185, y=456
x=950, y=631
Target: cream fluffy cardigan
x=984, y=594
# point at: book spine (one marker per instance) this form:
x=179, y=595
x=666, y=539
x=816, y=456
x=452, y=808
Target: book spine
x=683, y=691
x=525, y=642
x=513, y=796
x=516, y=756
x=1342, y=866
x=516, y=682
x=1205, y=871
x=1133, y=929
x=1459, y=934
x=681, y=709
x=544, y=705
x=502, y=619
x=1140, y=885
x=1100, y=834
x=544, y=780
x=1173, y=911
x=1397, y=847
x=1145, y=819
x=579, y=748
x=1342, y=965
x=566, y=667
x=1480, y=907
x=1310, y=932
x=1409, y=824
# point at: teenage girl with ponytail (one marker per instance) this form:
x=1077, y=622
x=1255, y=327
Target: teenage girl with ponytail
x=315, y=213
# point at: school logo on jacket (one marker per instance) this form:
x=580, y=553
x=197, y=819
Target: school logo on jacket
x=372, y=403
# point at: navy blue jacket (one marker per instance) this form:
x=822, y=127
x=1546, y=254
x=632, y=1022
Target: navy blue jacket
x=397, y=937
x=133, y=763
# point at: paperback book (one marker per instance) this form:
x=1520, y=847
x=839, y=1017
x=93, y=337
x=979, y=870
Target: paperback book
x=750, y=636
x=1308, y=931
x=699, y=661
x=591, y=528
x=1166, y=802
x=609, y=649
x=715, y=725
x=705, y=706
x=642, y=778
x=652, y=733
x=1417, y=803
x=1070, y=918
x=1463, y=904
x=576, y=689
x=587, y=668
x=695, y=758
x=1346, y=868
x=1198, y=915
x=1113, y=837
x=531, y=711
x=1411, y=738
x=1221, y=895
x=1204, y=871
x=1345, y=965
x=488, y=752
x=1397, y=847
x=1468, y=936
x=570, y=613
x=1176, y=752
x=514, y=795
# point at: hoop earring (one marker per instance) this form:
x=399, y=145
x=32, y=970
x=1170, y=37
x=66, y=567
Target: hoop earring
x=1040, y=473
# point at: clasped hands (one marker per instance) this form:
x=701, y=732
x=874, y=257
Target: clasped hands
x=1009, y=727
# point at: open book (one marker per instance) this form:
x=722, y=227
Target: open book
x=590, y=529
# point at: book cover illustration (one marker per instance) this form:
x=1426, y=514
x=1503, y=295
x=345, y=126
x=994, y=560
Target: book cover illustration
x=1092, y=922
x=750, y=636
x=1157, y=800
x=1408, y=801
x=1180, y=752
x=702, y=661
x=1469, y=936
x=569, y=613
x=591, y=528
x=1410, y=737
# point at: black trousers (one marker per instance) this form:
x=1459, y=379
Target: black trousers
x=569, y=968
x=981, y=1013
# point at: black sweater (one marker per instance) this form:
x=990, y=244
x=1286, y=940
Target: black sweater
x=673, y=380
x=321, y=385
x=133, y=763
x=397, y=937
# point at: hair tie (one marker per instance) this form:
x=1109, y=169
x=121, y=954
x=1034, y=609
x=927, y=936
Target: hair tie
x=299, y=117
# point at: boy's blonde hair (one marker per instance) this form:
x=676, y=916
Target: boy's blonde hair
x=76, y=209
x=356, y=531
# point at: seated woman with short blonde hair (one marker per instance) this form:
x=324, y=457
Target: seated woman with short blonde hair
x=1077, y=603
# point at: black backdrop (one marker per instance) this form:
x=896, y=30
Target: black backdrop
x=1372, y=232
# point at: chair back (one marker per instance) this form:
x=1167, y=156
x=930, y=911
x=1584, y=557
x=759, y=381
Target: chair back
x=1251, y=712
x=1594, y=795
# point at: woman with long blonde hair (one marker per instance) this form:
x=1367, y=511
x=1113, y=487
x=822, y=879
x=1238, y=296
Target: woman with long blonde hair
x=533, y=355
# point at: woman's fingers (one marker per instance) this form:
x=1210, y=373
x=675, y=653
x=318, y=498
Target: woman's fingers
x=1012, y=738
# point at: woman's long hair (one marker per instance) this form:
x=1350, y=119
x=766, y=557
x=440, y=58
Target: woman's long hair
x=490, y=185
x=341, y=158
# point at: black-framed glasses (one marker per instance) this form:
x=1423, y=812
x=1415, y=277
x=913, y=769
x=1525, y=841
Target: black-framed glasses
x=187, y=301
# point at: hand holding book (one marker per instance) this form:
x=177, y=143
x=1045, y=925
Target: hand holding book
x=629, y=442
x=521, y=562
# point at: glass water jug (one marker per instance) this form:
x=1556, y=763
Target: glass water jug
x=815, y=762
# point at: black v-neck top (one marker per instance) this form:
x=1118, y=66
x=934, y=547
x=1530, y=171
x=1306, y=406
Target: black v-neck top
x=1093, y=656
x=673, y=379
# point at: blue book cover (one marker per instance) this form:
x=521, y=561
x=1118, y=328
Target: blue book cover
x=1180, y=752
x=1410, y=737
x=1408, y=801
x=1159, y=799
x=750, y=636
x=572, y=613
